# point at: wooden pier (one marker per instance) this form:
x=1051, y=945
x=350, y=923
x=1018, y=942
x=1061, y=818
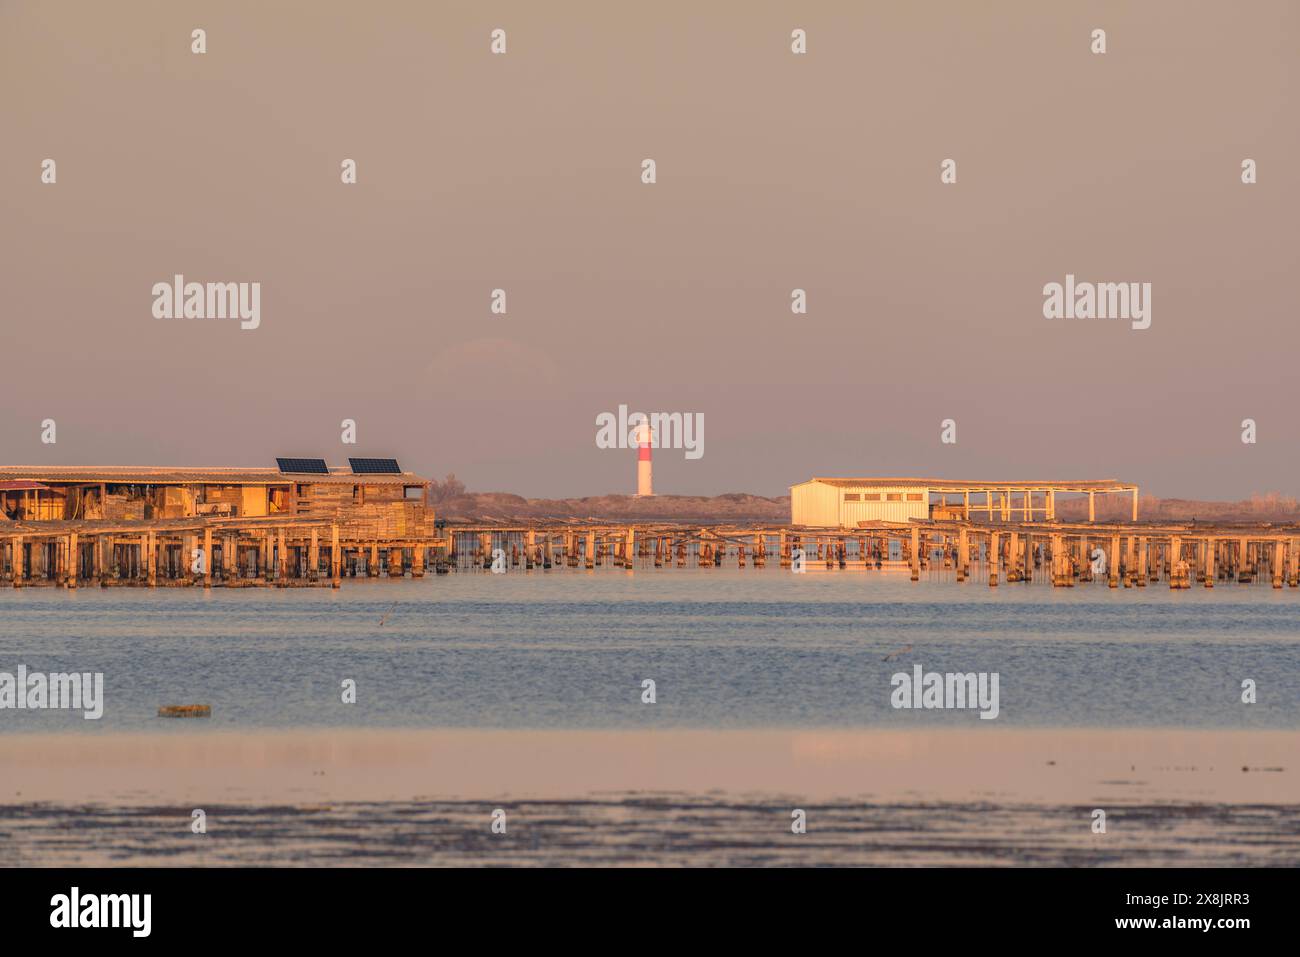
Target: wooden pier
x=1062, y=553
x=298, y=552
x=300, y=524
x=230, y=553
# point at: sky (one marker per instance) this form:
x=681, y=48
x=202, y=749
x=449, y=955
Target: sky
x=775, y=171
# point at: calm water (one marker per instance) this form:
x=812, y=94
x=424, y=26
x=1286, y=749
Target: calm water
x=650, y=829
x=726, y=647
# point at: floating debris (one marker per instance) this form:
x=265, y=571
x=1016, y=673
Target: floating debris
x=185, y=711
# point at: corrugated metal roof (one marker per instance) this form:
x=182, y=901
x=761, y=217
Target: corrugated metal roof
x=1082, y=485
x=152, y=475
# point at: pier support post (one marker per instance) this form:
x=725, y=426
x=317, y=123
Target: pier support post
x=207, y=556
x=18, y=561
x=994, y=559
x=189, y=545
x=313, y=556
x=335, y=557
x=1059, y=576
x=74, y=564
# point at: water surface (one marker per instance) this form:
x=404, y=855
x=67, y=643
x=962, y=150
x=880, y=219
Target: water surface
x=725, y=647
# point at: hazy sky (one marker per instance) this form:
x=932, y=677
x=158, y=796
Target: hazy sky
x=775, y=171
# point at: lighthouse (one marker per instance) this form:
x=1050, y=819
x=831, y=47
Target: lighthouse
x=644, y=475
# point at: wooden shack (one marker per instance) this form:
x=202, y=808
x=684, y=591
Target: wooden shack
x=383, y=494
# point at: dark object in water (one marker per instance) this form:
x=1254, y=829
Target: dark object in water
x=185, y=711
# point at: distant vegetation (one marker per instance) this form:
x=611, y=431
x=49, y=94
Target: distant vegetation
x=451, y=500
x=446, y=490
x=1270, y=507
x=482, y=506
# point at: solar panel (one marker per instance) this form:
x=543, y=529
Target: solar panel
x=375, y=467
x=303, y=466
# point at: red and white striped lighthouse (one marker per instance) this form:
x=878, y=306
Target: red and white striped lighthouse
x=644, y=474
